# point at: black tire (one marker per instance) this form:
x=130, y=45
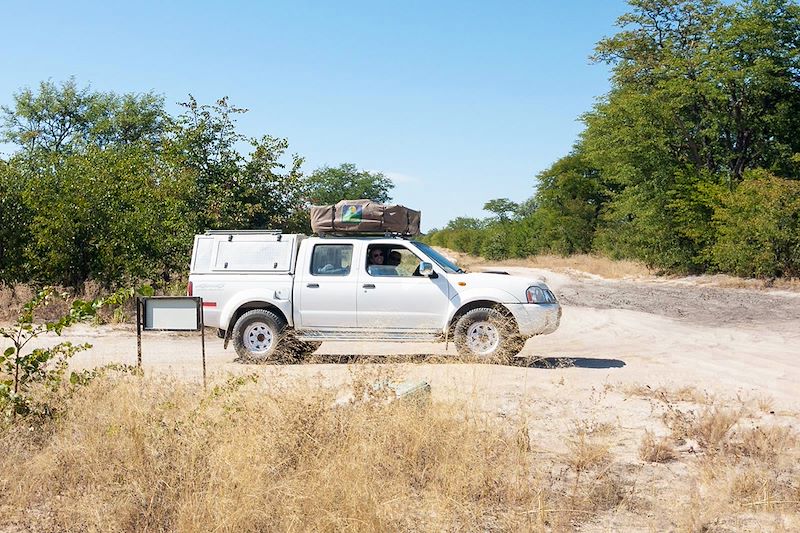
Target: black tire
x=487, y=335
x=258, y=336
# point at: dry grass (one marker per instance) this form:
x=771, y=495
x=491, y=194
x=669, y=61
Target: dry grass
x=732, y=282
x=620, y=269
x=744, y=473
x=138, y=454
x=685, y=394
x=12, y=297
x=590, y=264
x=259, y=454
x=655, y=450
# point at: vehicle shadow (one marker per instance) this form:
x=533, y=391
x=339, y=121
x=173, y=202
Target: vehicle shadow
x=346, y=359
x=567, y=362
x=439, y=359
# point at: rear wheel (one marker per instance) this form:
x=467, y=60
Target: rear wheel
x=487, y=335
x=258, y=336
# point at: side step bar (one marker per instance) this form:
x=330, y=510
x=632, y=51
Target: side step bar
x=370, y=335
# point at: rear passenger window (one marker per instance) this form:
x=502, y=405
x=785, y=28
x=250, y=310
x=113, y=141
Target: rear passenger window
x=331, y=259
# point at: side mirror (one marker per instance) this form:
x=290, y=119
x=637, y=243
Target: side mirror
x=425, y=269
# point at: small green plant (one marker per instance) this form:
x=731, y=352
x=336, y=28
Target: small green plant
x=21, y=369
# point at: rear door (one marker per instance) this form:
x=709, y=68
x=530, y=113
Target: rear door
x=325, y=288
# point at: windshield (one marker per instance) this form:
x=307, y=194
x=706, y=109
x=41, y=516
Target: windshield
x=442, y=261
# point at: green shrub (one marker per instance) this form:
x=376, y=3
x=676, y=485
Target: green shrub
x=758, y=227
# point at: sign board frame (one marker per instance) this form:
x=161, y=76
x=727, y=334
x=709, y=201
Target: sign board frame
x=158, y=308
x=169, y=318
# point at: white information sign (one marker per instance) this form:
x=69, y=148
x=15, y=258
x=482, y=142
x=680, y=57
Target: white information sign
x=172, y=313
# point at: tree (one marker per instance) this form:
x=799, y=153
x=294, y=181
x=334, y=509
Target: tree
x=287, y=207
x=759, y=227
x=328, y=185
x=569, y=198
x=97, y=215
x=202, y=142
x=224, y=188
x=14, y=224
x=501, y=207
x=460, y=223
x=724, y=78
x=63, y=118
x=110, y=187
x=702, y=91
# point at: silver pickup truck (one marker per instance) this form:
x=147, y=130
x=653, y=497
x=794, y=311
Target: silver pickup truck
x=277, y=296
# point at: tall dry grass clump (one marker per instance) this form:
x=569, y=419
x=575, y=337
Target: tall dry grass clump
x=136, y=454
x=656, y=450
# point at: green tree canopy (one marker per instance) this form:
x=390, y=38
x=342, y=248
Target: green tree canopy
x=569, y=198
x=64, y=118
x=503, y=208
x=110, y=187
x=328, y=185
x=702, y=91
x=701, y=84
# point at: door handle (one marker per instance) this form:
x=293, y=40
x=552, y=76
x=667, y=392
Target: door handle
x=369, y=285
x=313, y=285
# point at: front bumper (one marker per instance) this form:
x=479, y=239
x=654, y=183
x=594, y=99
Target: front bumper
x=536, y=319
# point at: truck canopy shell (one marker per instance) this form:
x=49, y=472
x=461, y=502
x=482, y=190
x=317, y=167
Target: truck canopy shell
x=244, y=251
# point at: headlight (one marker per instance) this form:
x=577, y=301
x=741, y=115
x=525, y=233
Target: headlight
x=538, y=295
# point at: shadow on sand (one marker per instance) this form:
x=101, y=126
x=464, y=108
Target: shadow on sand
x=567, y=362
x=438, y=359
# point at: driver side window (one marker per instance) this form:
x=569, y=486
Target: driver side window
x=391, y=260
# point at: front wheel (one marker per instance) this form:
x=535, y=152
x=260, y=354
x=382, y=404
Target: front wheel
x=257, y=336
x=487, y=335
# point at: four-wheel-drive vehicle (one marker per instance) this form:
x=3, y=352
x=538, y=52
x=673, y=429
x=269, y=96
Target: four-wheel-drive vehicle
x=277, y=296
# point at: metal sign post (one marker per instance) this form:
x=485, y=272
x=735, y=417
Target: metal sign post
x=170, y=313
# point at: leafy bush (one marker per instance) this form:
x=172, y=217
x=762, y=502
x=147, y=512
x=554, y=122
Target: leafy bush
x=759, y=228
x=14, y=222
x=20, y=370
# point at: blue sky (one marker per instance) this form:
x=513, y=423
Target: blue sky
x=458, y=102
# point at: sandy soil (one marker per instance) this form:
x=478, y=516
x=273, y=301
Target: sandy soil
x=616, y=338
x=613, y=333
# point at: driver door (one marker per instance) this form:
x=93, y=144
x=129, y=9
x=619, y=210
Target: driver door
x=399, y=298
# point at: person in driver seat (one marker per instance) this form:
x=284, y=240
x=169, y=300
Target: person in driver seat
x=378, y=263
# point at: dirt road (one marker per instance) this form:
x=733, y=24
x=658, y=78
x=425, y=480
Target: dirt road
x=613, y=334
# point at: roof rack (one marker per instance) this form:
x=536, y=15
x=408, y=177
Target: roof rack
x=243, y=231
x=351, y=235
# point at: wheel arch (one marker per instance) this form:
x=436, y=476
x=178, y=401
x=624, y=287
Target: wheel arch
x=476, y=304
x=250, y=306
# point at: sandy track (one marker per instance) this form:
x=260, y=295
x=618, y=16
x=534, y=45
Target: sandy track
x=613, y=333
x=687, y=302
